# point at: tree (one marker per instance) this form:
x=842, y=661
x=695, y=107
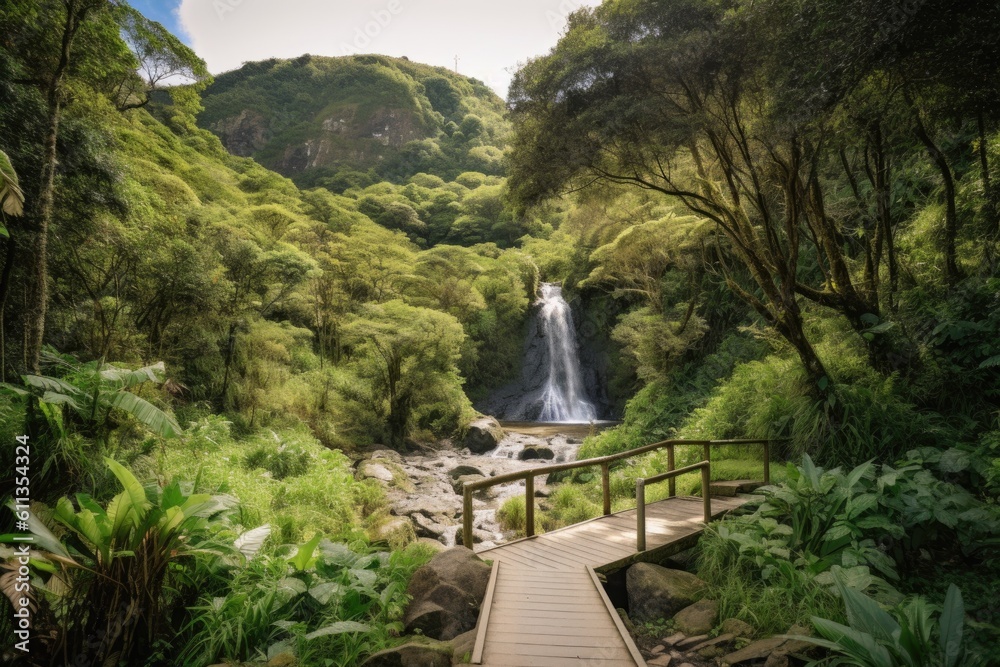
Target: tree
x=56, y=52
x=661, y=97
x=162, y=60
x=409, y=355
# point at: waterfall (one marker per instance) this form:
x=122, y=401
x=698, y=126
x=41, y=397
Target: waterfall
x=554, y=385
x=564, y=398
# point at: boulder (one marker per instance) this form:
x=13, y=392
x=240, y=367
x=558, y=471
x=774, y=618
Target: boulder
x=283, y=660
x=483, y=435
x=698, y=618
x=462, y=647
x=458, y=483
x=534, y=452
x=428, y=527
x=431, y=543
x=446, y=594
x=372, y=470
x=777, y=660
x=413, y=654
x=656, y=592
x=737, y=627
x=397, y=531
x=478, y=536
x=756, y=651
x=558, y=476
x=459, y=471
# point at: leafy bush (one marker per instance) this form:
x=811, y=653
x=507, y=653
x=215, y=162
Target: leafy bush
x=817, y=519
x=106, y=576
x=320, y=599
x=860, y=523
x=905, y=638
x=281, y=462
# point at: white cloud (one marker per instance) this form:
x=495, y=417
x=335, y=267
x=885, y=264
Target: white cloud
x=490, y=38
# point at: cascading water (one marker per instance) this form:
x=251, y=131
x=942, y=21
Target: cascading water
x=564, y=398
x=554, y=385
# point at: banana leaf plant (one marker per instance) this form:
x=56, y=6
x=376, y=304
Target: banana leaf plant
x=105, y=576
x=92, y=393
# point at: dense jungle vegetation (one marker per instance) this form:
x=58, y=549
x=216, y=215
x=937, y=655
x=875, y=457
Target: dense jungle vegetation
x=778, y=219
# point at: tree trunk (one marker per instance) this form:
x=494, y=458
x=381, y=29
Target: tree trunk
x=992, y=210
x=951, y=271
x=37, y=294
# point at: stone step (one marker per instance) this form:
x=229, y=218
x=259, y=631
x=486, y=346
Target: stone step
x=731, y=488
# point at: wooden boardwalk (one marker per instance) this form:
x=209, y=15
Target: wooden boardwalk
x=545, y=605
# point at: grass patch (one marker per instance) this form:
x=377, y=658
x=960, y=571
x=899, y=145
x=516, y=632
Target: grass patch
x=285, y=478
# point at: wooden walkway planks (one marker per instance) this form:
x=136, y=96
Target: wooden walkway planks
x=545, y=606
x=551, y=617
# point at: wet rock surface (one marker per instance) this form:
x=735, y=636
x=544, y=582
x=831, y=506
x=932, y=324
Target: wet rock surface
x=446, y=594
x=426, y=486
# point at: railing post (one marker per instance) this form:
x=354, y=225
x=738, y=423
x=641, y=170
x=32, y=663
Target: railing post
x=671, y=484
x=767, y=462
x=640, y=515
x=529, y=505
x=606, y=487
x=706, y=475
x=467, y=516
x=708, y=452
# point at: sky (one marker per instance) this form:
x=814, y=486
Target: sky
x=490, y=38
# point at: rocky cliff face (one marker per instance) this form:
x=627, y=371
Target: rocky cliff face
x=312, y=117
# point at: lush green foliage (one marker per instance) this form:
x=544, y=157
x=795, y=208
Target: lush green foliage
x=874, y=638
x=862, y=528
x=325, y=602
x=106, y=576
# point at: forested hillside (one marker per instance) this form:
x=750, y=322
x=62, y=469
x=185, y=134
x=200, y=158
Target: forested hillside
x=220, y=297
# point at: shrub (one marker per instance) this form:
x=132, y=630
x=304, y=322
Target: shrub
x=904, y=638
x=106, y=577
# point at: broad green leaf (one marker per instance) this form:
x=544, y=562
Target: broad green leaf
x=855, y=475
x=137, y=495
x=132, y=378
x=121, y=516
x=44, y=538
x=304, y=555
x=17, y=391
x=250, y=542
x=863, y=612
x=854, y=643
x=992, y=362
x=860, y=504
x=339, y=628
x=323, y=592
x=172, y=518
x=54, y=385
x=955, y=460
x=290, y=587
x=155, y=419
x=11, y=195
x=836, y=532
x=53, y=398
x=952, y=622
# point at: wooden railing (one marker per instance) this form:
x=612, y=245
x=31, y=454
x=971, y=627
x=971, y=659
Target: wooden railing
x=640, y=496
x=605, y=464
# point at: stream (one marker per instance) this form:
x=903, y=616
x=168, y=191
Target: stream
x=426, y=486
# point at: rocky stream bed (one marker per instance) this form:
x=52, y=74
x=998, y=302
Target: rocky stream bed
x=425, y=487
